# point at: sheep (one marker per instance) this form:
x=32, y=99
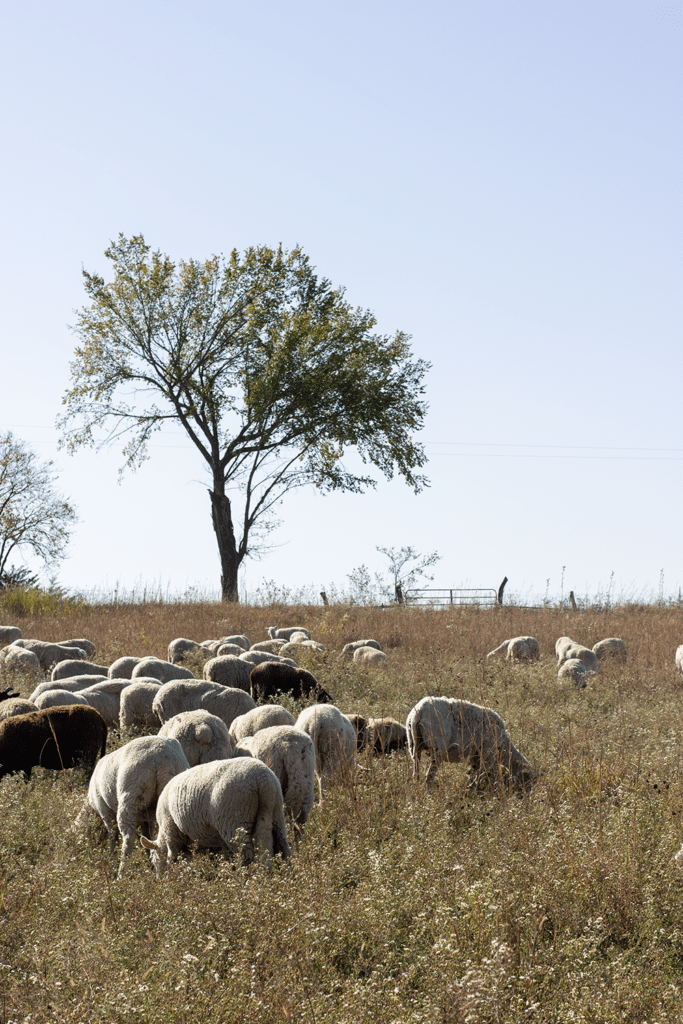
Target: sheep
x=179, y=650
x=447, y=729
x=295, y=648
x=164, y=671
x=224, y=701
x=269, y=646
x=679, y=658
x=349, y=649
x=74, y=667
x=135, y=706
x=519, y=648
x=238, y=639
x=334, y=740
x=8, y=634
x=126, y=785
x=584, y=654
x=561, y=643
x=203, y=736
x=73, y=683
x=262, y=717
x=370, y=656
x=49, y=654
x=122, y=668
x=226, y=649
x=573, y=669
x=106, y=697
x=290, y=754
x=286, y=634
x=271, y=678
x=57, y=738
x=259, y=657
x=381, y=734
x=679, y=856
x=228, y=670
x=234, y=805
x=16, y=706
x=58, y=699
x=19, y=666
x=612, y=649
x=84, y=645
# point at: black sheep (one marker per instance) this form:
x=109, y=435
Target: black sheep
x=59, y=737
x=271, y=677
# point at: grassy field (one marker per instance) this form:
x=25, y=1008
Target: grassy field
x=399, y=905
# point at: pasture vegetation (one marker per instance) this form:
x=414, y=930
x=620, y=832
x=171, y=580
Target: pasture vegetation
x=399, y=905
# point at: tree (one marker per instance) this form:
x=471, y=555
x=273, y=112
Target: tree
x=271, y=373
x=402, y=577
x=33, y=517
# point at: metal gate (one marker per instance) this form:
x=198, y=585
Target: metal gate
x=480, y=597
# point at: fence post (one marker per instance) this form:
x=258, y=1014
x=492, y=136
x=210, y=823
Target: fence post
x=501, y=590
x=324, y=597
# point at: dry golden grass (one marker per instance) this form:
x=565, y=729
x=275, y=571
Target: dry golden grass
x=400, y=905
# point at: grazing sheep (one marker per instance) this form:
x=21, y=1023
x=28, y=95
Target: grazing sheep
x=49, y=654
x=334, y=740
x=519, y=648
x=74, y=667
x=203, y=736
x=54, y=738
x=122, y=668
x=561, y=643
x=575, y=670
x=370, y=656
x=16, y=706
x=295, y=648
x=226, y=649
x=612, y=649
x=269, y=646
x=290, y=754
x=73, y=683
x=259, y=657
x=228, y=670
x=224, y=701
x=263, y=717
x=238, y=639
x=455, y=730
x=584, y=654
x=135, y=707
x=210, y=804
x=8, y=634
x=349, y=649
x=271, y=678
x=19, y=666
x=181, y=649
x=381, y=734
x=126, y=785
x=106, y=697
x=286, y=634
x=164, y=671
x=58, y=699
x=84, y=645
x=679, y=658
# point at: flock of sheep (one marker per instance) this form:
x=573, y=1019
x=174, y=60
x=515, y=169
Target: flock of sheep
x=223, y=771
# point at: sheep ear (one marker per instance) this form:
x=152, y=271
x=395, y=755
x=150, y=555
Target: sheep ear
x=148, y=844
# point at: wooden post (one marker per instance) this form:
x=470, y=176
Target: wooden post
x=324, y=597
x=501, y=590
x=399, y=594
x=571, y=598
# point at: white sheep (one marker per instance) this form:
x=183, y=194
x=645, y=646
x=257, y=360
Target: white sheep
x=224, y=701
x=295, y=648
x=349, y=649
x=225, y=649
x=8, y=634
x=16, y=706
x=181, y=649
x=584, y=654
x=164, y=671
x=286, y=634
x=234, y=805
x=75, y=667
x=679, y=856
x=122, y=668
x=262, y=717
x=573, y=669
x=679, y=658
x=135, y=707
x=82, y=644
x=447, y=729
x=74, y=683
x=334, y=741
x=611, y=650
x=289, y=753
x=105, y=697
x=57, y=699
x=203, y=736
x=228, y=670
x=258, y=657
x=270, y=646
x=126, y=785
x=518, y=648
x=370, y=656
x=49, y=654
x=19, y=666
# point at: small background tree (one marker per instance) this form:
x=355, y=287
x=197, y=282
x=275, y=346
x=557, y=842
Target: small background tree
x=34, y=518
x=403, y=575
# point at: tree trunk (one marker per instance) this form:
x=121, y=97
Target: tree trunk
x=227, y=548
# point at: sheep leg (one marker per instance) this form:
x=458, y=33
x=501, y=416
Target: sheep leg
x=433, y=766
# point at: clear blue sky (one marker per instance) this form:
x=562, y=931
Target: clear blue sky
x=501, y=180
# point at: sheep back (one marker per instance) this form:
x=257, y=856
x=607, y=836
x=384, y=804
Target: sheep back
x=290, y=754
x=204, y=737
x=228, y=670
x=271, y=678
x=54, y=738
x=263, y=717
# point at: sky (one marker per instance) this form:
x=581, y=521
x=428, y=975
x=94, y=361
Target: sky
x=499, y=180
